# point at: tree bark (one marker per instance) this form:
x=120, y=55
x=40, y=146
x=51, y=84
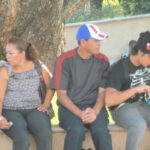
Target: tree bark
x=40, y=22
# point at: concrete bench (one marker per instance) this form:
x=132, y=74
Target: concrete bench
x=118, y=139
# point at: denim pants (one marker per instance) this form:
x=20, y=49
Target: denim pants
x=38, y=123
x=75, y=129
x=135, y=117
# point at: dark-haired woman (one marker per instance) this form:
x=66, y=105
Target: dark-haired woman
x=20, y=103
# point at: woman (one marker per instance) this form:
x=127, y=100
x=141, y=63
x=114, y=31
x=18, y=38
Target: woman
x=20, y=102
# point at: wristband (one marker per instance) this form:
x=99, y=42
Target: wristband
x=1, y=117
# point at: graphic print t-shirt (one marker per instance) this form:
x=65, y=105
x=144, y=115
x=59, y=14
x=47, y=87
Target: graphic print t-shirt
x=125, y=75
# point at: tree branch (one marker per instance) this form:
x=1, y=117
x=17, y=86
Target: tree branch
x=71, y=6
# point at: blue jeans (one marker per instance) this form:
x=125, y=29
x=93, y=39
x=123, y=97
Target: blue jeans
x=135, y=117
x=38, y=123
x=75, y=129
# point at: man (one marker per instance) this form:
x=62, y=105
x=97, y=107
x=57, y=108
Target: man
x=128, y=86
x=80, y=78
x=132, y=43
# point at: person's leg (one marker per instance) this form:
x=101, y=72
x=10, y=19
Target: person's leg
x=39, y=125
x=100, y=132
x=144, y=109
x=129, y=117
x=18, y=131
x=74, y=127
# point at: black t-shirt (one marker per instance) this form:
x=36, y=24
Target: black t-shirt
x=125, y=75
x=80, y=77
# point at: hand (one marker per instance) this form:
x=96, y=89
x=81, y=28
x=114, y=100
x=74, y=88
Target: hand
x=4, y=124
x=43, y=108
x=142, y=88
x=89, y=115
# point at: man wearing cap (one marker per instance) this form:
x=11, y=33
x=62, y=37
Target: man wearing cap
x=80, y=78
x=128, y=87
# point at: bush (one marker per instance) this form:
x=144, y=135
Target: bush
x=2, y=55
x=89, y=15
x=111, y=9
x=134, y=7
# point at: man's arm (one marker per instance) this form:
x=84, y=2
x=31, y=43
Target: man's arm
x=100, y=101
x=102, y=88
x=67, y=103
x=115, y=97
x=60, y=81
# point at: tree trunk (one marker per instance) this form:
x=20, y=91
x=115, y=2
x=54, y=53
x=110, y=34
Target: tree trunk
x=39, y=22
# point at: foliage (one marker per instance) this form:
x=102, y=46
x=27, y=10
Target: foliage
x=96, y=4
x=112, y=9
x=134, y=7
x=107, y=11
x=2, y=55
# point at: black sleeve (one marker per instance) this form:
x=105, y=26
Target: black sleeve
x=116, y=76
x=60, y=77
x=105, y=75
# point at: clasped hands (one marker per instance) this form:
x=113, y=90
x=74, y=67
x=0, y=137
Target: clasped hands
x=88, y=115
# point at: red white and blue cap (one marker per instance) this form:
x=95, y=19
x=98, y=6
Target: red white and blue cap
x=147, y=49
x=148, y=46
x=90, y=31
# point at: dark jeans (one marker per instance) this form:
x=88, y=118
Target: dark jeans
x=75, y=129
x=38, y=123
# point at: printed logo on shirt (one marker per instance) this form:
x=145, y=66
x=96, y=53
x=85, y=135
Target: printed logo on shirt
x=139, y=77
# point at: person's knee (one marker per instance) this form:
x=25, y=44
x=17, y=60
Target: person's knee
x=77, y=132
x=22, y=140
x=97, y=131
x=139, y=127
x=44, y=136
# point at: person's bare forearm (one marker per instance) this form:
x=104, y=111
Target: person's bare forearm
x=66, y=102
x=114, y=97
x=48, y=97
x=100, y=101
x=117, y=97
